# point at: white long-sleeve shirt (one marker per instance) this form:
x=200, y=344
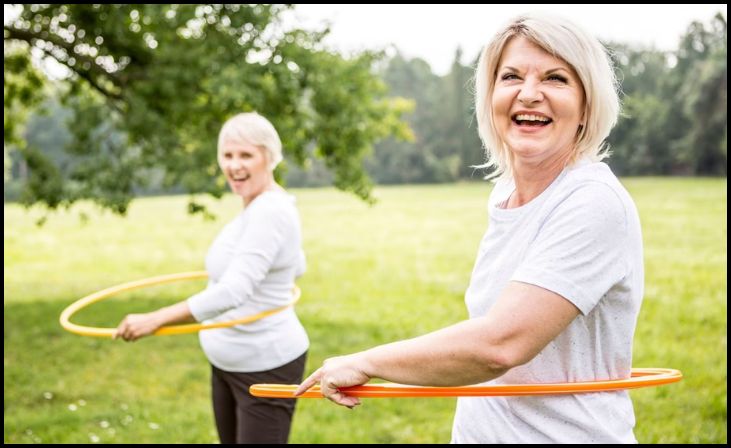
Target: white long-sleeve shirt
x=252, y=265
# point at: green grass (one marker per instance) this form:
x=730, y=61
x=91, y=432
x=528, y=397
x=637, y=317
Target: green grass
x=375, y=274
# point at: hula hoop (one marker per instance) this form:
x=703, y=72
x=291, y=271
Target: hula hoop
x=640, y=378
x=168, y=330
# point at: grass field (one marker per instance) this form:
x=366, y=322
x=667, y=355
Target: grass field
x=375, y=274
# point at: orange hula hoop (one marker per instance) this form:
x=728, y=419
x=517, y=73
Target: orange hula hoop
x=645, y=377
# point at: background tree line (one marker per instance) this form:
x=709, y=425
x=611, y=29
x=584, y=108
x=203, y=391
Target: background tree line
x=142, y=115
x=674, y=118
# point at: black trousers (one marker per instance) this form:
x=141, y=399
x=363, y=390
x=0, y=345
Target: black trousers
x=243, y=418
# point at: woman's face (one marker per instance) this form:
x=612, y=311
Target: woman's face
x=246, y=169
x=537, y=103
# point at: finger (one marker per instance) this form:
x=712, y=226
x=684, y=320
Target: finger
x=127, y=334
x=134, y=335
x=328, y=386
x=344, y=400
x=119, y=333
x=309, y=382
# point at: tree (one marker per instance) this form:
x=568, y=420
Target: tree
x=150, y=86
x=639, y=143
x=675, y=119
x=701, y=82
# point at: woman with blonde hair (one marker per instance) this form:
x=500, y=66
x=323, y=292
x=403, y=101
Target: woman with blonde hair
x=558, y=281
x=252, y=265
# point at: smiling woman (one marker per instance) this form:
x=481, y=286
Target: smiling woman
x=557, y=285
x=537, y=104
x=541, y=72
x=252, y=265
x=248, y=166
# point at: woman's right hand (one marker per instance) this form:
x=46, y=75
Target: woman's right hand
x=136, y=326
x=335, y=373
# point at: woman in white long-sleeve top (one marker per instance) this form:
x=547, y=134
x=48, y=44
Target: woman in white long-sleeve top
x=252, y=265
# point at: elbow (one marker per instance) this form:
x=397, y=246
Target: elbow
x=500, y=359
x=497, y=363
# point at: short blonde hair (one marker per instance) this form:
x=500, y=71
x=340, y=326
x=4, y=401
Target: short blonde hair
x=583, y=52
x=253, y=129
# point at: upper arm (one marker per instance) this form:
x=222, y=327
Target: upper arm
x=524, y=320
x=578, y=255
x=581, y=250
x=258, y=246
x=255, y=252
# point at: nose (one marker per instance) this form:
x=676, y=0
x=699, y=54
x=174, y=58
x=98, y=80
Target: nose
x=530, y=92
x=234, y=164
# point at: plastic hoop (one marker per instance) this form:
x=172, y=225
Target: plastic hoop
x=640, y=378
x=72, y=309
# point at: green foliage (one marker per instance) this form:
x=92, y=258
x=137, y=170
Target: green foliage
x=675, y=118
x=151, y=85
x=22, y=89
x=446, y=143
x=375, y=274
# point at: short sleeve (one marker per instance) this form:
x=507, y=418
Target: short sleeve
x=580, y=250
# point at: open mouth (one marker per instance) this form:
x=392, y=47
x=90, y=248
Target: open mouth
x=531, y=120
x=240, y=177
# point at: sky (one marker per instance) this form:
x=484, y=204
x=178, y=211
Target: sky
x=433, y=32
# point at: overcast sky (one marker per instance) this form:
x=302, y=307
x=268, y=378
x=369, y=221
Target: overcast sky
x=433, y=32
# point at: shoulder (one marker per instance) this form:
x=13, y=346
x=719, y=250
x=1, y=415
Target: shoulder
x=273, y=202
x=595, y=181
x=273, y=207
x=591, y=191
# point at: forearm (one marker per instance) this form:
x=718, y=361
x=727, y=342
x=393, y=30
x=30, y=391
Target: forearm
x=174, y=314
x=135, y=326
x=458, y=355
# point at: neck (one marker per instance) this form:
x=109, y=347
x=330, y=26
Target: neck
x=532, y=179
x=271, y=185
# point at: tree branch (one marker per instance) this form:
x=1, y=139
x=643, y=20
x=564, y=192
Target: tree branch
x=27, y=36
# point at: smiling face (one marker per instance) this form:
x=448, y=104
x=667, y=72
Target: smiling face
x=537, y=103
x=246, y=169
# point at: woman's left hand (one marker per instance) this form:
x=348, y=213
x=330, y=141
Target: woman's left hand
x=136, y=326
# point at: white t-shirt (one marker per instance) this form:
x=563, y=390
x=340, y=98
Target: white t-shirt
x=581, y=239
x=252, y=265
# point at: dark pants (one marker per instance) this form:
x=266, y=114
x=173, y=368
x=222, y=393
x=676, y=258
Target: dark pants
x=242, y=418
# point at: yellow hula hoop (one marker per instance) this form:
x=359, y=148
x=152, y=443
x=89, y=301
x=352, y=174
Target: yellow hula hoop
x=639, y=378
x=102, y=332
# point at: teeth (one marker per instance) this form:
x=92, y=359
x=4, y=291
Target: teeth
x=525, y=117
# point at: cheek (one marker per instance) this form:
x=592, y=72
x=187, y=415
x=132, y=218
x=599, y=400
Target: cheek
x=500, y=105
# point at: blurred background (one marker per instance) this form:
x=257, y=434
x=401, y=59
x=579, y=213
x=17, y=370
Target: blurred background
x=109, y=103
x=358, y=93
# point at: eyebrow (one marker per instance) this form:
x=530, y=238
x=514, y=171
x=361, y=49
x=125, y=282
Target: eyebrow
x=547, y=72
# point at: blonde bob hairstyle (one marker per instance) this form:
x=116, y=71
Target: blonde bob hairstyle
x=252, y=129
x=583, y=52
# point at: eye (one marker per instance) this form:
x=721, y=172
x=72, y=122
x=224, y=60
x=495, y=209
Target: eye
x=558, y=78
x=227, y=155
x=509, y=76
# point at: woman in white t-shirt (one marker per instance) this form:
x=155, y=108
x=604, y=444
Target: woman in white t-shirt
x=558, y=281
x=252, y=265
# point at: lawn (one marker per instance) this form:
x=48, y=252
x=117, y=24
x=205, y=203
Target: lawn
x=375, y=274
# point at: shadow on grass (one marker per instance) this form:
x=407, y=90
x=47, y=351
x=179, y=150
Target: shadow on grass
x=65, y=388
